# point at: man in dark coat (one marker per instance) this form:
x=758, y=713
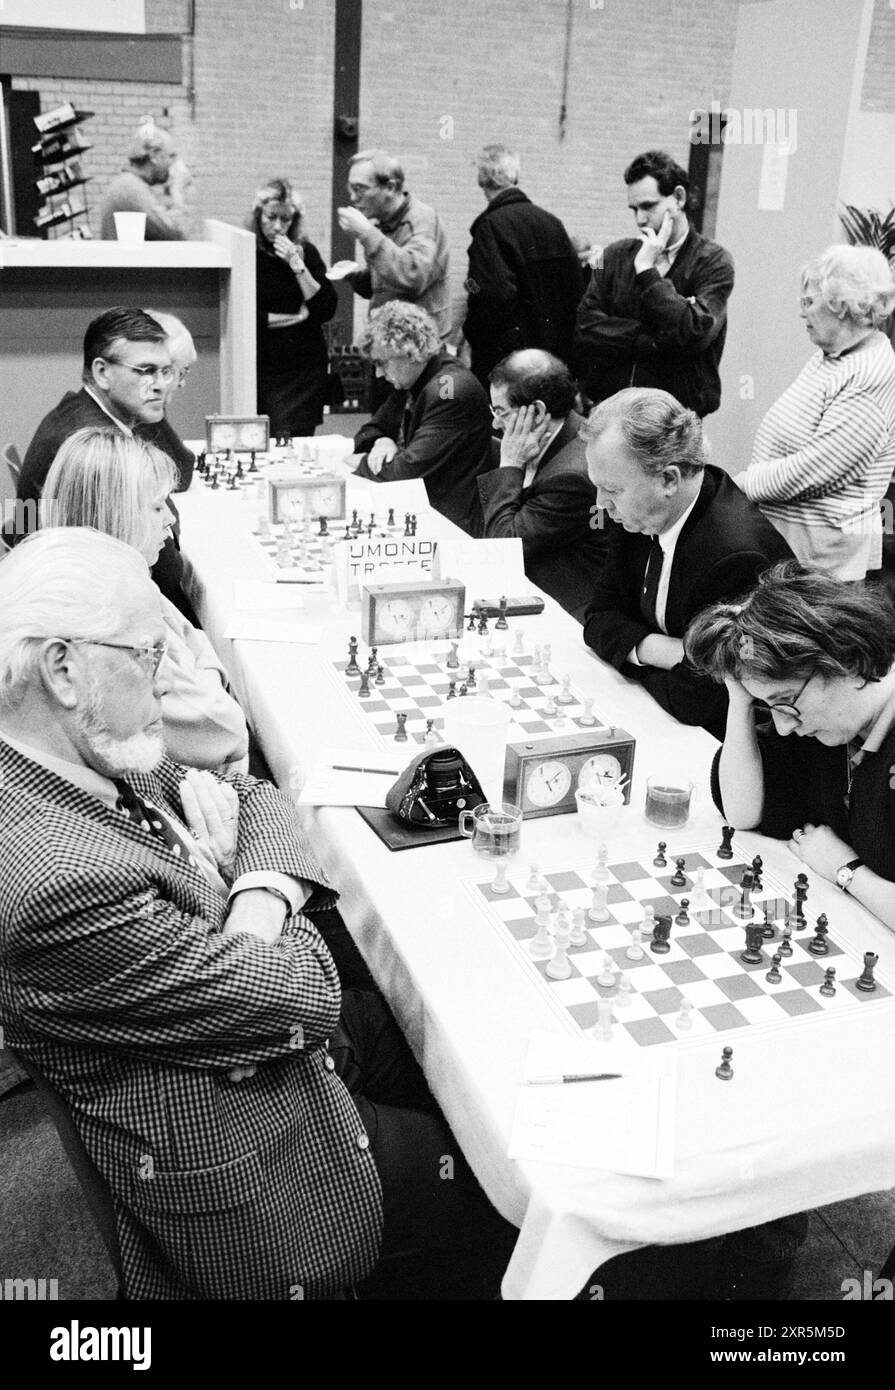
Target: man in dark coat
x=434, y=424
x=655, y=313
x=127, y=378
x=682, y=536
x=524, y=279
x=538, y=488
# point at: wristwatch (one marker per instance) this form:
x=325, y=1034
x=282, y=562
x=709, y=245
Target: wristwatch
x=845, y=875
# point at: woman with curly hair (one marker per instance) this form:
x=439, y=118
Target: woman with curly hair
x=435, y=423
x=294, y=299
x=824, y=453
x=817, y=658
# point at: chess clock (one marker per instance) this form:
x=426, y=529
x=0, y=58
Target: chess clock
x=307, y=499
x=422, y=609
x=243, y=434
x=543, y=777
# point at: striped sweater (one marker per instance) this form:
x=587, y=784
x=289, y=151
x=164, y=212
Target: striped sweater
x=824, y=453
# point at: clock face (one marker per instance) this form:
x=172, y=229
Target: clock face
x=602, y=767
x=326, y=501
x=254, y=435
x=437, y=614
x=547, y=783
x=223, y=436
x=395, y=617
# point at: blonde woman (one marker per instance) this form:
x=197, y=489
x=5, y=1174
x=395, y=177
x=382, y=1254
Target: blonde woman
x=825, y=452
x=111, y=482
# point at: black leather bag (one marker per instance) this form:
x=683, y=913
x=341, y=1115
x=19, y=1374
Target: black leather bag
x=434, y=788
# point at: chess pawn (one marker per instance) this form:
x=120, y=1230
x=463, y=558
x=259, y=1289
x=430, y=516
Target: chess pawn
x=602, y=1029
x=635, y=950
x=625, y=990
x=773, y=976
x=828, y=987
x=660, y=861
x=724, y=1071
x=560, y=967
x=606, y=975
x=533, y=883
x=785, y=946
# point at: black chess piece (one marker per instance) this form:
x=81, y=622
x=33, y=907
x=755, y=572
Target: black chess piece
x=483, y=625
x=391, y=517
x=678, y=878
x=660, y=861
x=683, y=917
x=743, y=910
x=470, y=679
x=865, y=981
x=501, y=625
x=364, y=691
x=470, y=626
x=379, y=678
x=352, y=669
x=768, y=931
x=401, y=734
x=819, y=945
x=773, y=976
x=724, y=1071
x=464, y=690
x=785, y=947
x=800, y=888
x=829, y=985
x=724, y=850
x=453, y=661
x=757, y=866
x=753, y=953
x=661, y=932
x=452, y=691
x=324, y=529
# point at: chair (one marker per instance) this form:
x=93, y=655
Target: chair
x=93, y=1184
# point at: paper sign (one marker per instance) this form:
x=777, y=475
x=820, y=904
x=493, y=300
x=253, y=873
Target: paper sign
x=382, y=560
x=487, y=568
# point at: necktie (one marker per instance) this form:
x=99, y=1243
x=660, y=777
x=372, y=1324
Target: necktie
x=650, y=589
x=147, y=818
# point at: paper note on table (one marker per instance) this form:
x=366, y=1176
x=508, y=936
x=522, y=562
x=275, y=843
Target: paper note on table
x=487, y=568
x=624, y=1125
x=352, y=777
x=261, y=596
x=247, y=627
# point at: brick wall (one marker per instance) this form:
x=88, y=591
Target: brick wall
x=437, y=82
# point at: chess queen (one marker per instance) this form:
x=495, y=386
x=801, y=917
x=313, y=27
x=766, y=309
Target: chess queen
x=809, y=749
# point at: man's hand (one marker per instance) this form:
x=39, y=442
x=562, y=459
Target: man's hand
x=654, y=243
x=523, y=438
x=821, y=849
x=353, y=220
x=180, y=181
x=211, y=809
x=383, y=451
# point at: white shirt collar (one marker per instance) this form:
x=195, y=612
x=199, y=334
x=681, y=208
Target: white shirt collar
x=668, y=537
x=125, y=429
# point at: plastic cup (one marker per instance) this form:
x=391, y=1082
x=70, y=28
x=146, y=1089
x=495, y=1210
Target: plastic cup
x=668, y=801
x=479, y=729
x=130, y=227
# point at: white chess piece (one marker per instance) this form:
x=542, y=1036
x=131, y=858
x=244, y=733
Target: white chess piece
x=606, y=977
x=635, y=950
x=685, y=1017
x=560, y=968
x=579, y=935
x=625, y=990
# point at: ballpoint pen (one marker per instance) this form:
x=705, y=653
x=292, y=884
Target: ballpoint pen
x=562, y=1079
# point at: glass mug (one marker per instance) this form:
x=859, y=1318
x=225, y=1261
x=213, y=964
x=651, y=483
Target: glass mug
x=495, y=829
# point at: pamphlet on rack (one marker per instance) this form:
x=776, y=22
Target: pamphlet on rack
x=353, y=777
x=622, y=1118
x=487, y=568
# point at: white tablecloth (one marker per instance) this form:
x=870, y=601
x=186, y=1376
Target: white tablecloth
x=818, y=1104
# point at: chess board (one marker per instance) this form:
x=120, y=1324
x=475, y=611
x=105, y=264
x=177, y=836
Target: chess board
x=703, y=964
x=417, y=682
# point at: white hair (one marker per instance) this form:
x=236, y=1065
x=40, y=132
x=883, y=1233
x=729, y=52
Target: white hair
x=180, y=339
x=63, y=582
x=854, y=282
x=497, y=166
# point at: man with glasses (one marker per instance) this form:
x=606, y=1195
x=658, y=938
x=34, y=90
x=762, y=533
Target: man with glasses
x=127, y=378
x=538, y=489
x=681, y=536
x=405, y=245
x=161, y=966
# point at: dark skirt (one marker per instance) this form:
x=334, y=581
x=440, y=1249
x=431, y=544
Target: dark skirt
x=292, y=381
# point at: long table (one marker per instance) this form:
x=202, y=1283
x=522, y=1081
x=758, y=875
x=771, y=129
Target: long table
x=815, y=1107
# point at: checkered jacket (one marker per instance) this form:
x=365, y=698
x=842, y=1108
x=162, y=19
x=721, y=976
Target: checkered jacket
x=116, y=982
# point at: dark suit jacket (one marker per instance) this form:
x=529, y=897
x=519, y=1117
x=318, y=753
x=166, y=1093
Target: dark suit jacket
x=76, y=411
x=556, y=518
x=651, y=330
x=524, y=282
x=116, y=982
x=724, y=545
x=442, y=427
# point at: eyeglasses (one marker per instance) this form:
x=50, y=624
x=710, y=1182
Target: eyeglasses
x=790, y=711
x=499, y=412
x=163, y=375
x=359, y=187
x=148, y=658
